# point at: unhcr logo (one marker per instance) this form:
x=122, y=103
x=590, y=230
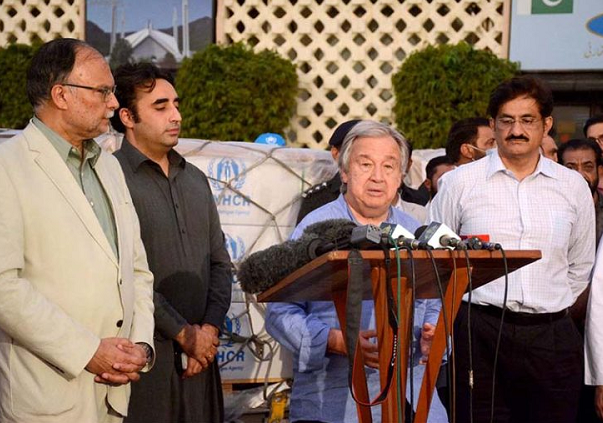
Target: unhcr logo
x=231, y=172
x=230, y=326
x=544, y=7
x=226, y=170
x=235, y=247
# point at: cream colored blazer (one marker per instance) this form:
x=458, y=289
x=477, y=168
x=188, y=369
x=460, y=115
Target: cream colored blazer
x=61, y=287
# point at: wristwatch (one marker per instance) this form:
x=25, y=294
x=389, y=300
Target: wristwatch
x=148, y=350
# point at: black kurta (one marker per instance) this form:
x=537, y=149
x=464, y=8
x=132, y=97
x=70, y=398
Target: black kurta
x=181, y=232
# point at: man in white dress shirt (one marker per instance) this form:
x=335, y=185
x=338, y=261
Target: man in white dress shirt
x=523, y=201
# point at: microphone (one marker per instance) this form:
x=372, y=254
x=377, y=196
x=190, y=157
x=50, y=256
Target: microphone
x=331, y=229
x=335, y=232
x=438, y=235
x=402, y=237
x=361, y=237
x=475, y=243
x=263, y=269
x=419, y=231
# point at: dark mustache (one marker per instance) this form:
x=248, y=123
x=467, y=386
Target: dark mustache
x=516, y=137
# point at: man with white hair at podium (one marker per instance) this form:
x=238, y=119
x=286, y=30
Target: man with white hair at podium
x=371, y=162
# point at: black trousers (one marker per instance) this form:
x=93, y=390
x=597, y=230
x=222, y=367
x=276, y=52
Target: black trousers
x=539, y=372
x=162, y=396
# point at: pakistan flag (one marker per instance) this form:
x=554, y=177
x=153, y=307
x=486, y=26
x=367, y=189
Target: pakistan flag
x=542, y=7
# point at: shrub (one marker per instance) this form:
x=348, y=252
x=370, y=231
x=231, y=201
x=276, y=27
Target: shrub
x=232, y=93
x=15, y=110
x=437, y=86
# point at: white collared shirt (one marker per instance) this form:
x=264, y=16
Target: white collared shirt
x=550, y=210
x=593, y=331
x=415, y=210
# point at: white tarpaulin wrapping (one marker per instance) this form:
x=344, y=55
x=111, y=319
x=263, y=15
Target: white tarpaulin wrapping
x=257, y=189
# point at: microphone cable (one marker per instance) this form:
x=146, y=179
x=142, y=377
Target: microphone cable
x=413, y=300
x=386, y=252
x=500, y=329
x=469, y=335
x=413, y=282
x=444, y=316
x=354, y=287
x=450, y=360
x=254, y=343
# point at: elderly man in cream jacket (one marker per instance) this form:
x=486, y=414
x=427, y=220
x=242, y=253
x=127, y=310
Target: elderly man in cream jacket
x=76, y=299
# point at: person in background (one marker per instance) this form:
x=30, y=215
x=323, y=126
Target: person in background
x=415, y=210
x=549, y=147
x=468, y=140
x=181, y=232
x=585, y=157
x=76, y=294
x=420, y=195
x=325, y=192
x=434, y=170
x=593, y=128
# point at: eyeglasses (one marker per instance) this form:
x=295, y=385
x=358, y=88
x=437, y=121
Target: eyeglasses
x=105, y=91
x=526, y=122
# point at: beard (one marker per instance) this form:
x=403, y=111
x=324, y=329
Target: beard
x=593, y=185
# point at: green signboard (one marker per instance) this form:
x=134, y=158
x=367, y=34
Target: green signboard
x=552, y=6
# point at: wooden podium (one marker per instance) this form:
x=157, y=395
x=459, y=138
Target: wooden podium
x=325, y=278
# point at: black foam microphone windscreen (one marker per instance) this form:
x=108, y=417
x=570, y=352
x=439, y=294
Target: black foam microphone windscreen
x=265, y=268
x=331, y=229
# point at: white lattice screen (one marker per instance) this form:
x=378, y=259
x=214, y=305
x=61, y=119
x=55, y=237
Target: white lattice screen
x=23, y=21
x=347, y=50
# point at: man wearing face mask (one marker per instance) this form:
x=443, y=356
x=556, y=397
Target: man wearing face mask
x=468, y=140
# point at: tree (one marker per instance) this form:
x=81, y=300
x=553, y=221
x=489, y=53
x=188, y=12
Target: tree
x=437, y=86
x=121, y=54
x=15, y=110
x=232, y=93
x=168, y=61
